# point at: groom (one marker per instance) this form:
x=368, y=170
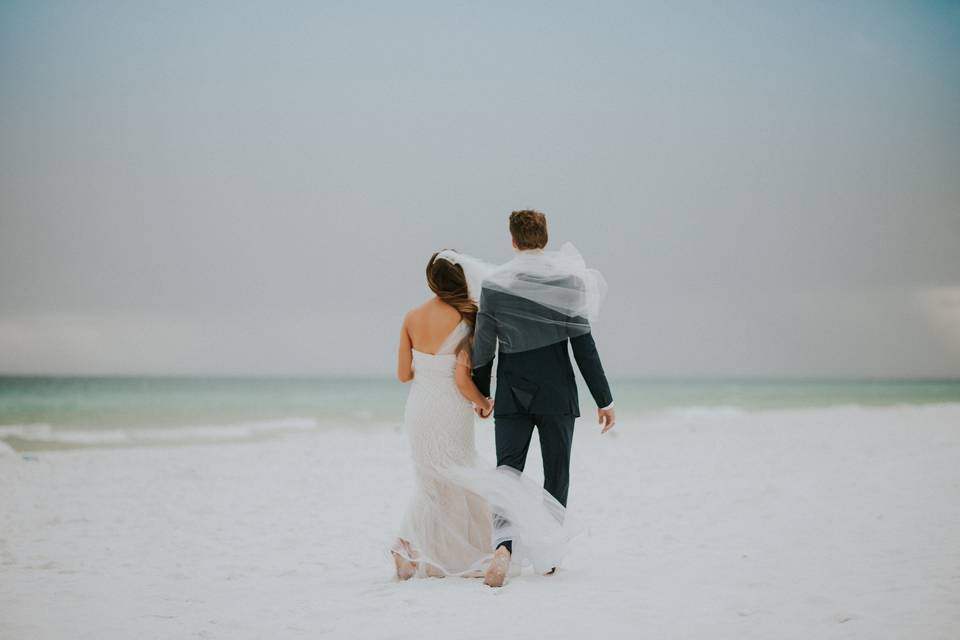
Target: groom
x=535, y=388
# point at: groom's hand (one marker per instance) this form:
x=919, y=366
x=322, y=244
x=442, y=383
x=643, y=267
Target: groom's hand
x=607, y=418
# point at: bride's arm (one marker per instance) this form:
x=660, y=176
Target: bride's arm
x=464, y=379
x=405, y=354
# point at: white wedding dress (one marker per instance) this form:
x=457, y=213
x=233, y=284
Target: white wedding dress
x=448, y=526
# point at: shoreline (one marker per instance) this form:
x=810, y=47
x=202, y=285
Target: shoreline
x=41, y=436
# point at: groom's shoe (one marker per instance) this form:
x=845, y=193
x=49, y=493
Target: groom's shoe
x=551, y=572
x=496, y=573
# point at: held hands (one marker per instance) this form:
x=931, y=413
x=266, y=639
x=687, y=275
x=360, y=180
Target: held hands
x=484, y=410
x=606, y=418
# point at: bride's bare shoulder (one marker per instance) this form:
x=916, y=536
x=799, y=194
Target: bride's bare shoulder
x=421, y=311
x=433, y=311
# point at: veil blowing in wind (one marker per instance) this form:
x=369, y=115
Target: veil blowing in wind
x=566, y=294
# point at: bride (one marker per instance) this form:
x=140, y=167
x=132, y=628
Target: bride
x=448, y=527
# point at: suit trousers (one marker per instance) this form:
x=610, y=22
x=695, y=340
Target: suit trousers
x=513, y=435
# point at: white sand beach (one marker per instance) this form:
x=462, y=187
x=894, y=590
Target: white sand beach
x=816, y=523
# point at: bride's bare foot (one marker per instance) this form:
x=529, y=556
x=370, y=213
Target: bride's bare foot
x=406, y=569
x=496, y=573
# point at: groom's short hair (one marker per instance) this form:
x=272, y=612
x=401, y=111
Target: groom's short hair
x=529, y=229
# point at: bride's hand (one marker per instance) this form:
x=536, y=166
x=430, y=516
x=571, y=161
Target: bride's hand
x=484, y=411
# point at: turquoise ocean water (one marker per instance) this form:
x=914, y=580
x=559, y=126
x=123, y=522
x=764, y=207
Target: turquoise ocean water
x=58, y=412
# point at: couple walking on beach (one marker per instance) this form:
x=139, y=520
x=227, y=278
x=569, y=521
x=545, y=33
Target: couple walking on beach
x=466, y=517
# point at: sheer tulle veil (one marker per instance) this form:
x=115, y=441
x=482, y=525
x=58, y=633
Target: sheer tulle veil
x=557, y=280
x=544, y=297
x=475, y=270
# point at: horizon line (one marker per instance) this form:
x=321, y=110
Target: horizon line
x=359, y=376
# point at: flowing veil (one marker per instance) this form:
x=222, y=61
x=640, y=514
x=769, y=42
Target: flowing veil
x=541, y=298
x=475, y=270
x=559, y=281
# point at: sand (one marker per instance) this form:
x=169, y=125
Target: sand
x=817, y=523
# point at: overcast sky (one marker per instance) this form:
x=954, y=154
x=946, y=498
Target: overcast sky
x=770, y=189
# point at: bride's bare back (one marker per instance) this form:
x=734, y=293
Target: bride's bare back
x=425, y=329
x=429, y=325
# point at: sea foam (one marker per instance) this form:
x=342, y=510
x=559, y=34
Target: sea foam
x=41, y=432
